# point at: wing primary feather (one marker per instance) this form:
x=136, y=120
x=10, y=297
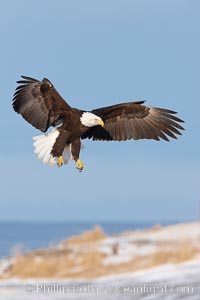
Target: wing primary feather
x=29, y=78
x=172, y=117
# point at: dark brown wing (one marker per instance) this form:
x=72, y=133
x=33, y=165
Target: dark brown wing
x=135, y=121
x=39, y=103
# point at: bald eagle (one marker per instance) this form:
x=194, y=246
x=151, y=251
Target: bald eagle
x=42, y=106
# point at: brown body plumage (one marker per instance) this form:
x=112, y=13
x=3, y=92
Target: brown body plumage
x=42, y=106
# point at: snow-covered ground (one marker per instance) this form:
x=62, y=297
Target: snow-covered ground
x=146, y=242
x=166, y=281
x=169, y=282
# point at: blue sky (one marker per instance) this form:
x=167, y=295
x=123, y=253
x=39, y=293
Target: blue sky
x=98, y=53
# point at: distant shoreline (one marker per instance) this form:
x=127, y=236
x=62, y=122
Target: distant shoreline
x=30, y=235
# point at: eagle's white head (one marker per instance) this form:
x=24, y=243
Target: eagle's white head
x=89, y=119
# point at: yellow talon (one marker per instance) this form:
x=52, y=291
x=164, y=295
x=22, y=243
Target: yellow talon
x=79, y=165
x=60, y=161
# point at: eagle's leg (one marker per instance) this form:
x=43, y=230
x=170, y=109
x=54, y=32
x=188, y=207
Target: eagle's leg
x=59, y=146
x=75, y=149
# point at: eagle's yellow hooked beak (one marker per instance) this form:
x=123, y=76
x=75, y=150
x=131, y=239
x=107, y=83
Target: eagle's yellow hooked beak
x=101, y=122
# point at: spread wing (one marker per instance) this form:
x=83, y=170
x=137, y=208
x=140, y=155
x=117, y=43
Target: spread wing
x=135, y=121
x=39, y=103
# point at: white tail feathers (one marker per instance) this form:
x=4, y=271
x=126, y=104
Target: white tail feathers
x=43, y=145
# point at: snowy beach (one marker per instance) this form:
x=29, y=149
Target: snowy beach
x=151, y=263
x=167, y=281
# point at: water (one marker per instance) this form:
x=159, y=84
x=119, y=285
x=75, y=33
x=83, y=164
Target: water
x=29, y=236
